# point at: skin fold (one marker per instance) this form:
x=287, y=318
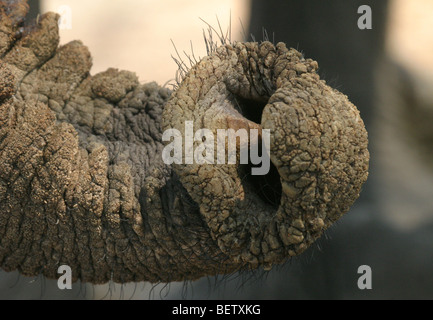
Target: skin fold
x=83, y=182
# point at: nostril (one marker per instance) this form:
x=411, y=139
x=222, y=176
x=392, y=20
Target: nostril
x=251, y=109
x=268, y=186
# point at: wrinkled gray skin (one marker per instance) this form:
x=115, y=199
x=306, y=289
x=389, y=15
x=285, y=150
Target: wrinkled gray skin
x=83, y=183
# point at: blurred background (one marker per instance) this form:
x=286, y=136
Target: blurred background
x=386, y=71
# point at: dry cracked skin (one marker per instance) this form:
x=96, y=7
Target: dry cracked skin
x=83, y=182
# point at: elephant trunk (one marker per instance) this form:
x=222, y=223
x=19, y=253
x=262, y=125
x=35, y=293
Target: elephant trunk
x=82, y=181
x=87, y=178
x=317, y=145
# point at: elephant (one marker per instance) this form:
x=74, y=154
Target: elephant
x=84, y=182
